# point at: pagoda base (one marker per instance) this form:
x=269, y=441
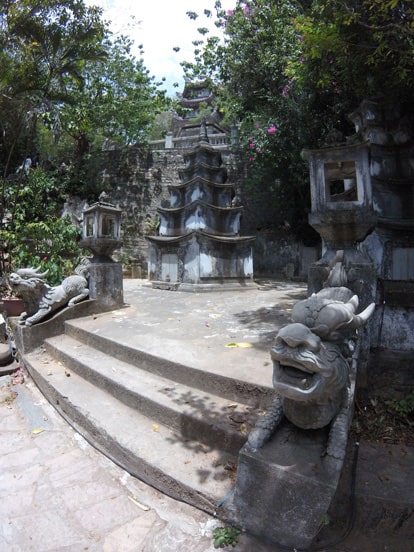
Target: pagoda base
x=206, y=287
x=200, y=259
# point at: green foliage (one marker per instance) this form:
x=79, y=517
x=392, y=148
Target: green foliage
x=192, y=15
x=65, y=78
x=32, y=233
x=250, y=63
x=366, y=48
x=325, y=520
x=250, y=72
x=43, y=48
x=405, y=408
x=225, y=536
x=30, y=198
x=51, y=244
x=119, y=101
x=303, y=66
x=161, y=125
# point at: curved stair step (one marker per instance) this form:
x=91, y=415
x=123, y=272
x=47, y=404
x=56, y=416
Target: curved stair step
x=194, y=413
x=186, y=469
x=141, y=347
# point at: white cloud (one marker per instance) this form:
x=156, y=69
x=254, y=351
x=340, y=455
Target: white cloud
x=161, y=25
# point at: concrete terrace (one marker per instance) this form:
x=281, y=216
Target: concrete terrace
x=59, y=493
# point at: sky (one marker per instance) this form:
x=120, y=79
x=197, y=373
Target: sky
x=161, y=25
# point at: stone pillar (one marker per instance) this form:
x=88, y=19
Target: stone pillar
x=106, y=284
x=283, y=490
x=169, y=140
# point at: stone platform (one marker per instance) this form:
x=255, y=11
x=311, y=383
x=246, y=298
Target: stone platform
x=169, y=385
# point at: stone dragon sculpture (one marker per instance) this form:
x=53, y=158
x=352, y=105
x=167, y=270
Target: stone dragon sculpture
x=40, y=299
x=312, y=358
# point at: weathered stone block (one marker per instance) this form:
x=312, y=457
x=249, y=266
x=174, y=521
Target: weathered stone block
x=284, y=489
x=105, y=284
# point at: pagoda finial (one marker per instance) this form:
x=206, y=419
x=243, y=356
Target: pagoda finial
x=203, y=131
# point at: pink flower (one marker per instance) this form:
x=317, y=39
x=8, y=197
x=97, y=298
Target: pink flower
x=259, y=150
x=251, y=158
x=251, y=145
x=271, y=129
x=285, y=90
x=229, y=12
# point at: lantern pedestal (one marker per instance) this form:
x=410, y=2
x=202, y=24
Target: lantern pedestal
x=106, y=283
x=102, y=248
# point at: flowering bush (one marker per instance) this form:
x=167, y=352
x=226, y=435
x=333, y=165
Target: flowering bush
x=261, y=141
x=263, y=72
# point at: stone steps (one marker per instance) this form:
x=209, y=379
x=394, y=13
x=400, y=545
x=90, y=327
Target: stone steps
x=143, y=413
x=194, y=413
x=168, y=357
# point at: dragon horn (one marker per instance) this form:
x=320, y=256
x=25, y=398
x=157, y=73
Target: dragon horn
x=362, y=318
x=36, y=270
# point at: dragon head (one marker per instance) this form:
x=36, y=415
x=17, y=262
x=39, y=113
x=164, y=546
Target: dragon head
x=305, y=368
x=311, y=356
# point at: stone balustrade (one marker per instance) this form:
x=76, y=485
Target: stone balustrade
x=216, y=140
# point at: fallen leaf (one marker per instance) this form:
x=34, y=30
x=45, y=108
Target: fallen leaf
x=38, y=430
x=242, y=345
x=133, y=499
x=155, y=427
x=215, y=315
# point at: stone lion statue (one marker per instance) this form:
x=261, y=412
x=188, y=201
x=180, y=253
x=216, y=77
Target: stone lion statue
x=40, y=299
x=312, y=358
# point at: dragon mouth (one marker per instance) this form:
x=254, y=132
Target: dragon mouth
x=290, y=374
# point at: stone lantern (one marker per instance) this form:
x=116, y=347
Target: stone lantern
x=342, y=213
x=342, y=210
x=101, y=231
x=101, y=235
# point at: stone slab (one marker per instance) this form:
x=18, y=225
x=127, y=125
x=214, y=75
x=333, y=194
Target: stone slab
x=138, y=443
x=284, y=489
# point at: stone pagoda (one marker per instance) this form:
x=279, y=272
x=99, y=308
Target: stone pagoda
x=199, y=245
x=185, y=129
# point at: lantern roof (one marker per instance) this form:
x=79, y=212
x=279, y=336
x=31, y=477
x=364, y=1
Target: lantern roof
x=102, y=206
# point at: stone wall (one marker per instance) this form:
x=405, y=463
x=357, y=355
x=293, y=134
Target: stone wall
x=136, y=180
